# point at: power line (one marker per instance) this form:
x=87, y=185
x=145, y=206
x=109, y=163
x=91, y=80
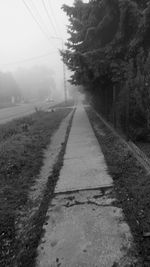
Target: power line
x=36, y=21
x=27, y=59
x=52, y=12
x=49, y=17
x=38, y=14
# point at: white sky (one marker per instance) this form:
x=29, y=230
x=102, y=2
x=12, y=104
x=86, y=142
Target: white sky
x=21, y=38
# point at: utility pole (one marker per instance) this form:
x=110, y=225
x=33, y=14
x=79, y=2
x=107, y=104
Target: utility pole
x=114, y=107
x=128, y=86
x=65, y=83
x=64, y=73
x=127, y=110
x=64, y=69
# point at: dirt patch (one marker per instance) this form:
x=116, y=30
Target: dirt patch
x=131, y=183
x=50, y=157
x=37, y=190
x=27, y=245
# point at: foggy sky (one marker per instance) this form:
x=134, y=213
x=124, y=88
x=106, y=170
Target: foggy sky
x=21, y=37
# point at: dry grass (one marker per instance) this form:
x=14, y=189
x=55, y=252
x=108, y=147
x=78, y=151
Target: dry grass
x=132, y=185
x=21, y=154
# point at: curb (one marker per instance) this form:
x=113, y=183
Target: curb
x=137, y=153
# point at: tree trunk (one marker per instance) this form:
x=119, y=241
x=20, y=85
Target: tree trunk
x=127, y=111
x=114, y=106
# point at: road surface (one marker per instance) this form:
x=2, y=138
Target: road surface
x=8, y=114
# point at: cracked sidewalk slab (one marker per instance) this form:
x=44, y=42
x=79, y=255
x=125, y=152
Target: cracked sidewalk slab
x=85, y=229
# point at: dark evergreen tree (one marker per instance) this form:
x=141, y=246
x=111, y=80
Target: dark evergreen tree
x=107, y=39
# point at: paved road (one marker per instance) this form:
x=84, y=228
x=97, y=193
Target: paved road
x=8, y=114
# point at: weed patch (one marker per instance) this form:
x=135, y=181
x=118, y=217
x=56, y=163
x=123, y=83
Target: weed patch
x=27, y=245
x=132, y=185
x=21, y=155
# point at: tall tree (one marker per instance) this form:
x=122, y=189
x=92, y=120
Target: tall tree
x=105, y=37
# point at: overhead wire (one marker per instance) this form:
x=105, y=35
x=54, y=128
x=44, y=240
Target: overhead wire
x=32, y=4
x=27, y=59
x=49, y=17
x=38, y=17
x=36, y=21
x=53, y=15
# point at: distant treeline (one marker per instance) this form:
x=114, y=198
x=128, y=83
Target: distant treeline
x=35, y=82
x=26, y=84
x=9, y=90
x=109, y=53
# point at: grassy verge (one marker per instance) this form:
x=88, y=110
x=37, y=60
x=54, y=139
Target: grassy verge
x=27, y=246
x=21, y=155
x=132, y=185
x=68, y=103
x=7, y=105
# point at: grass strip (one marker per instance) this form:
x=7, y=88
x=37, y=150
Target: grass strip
x=131, y=183
x=22, y=143
x=27, y=246
x=68, y=103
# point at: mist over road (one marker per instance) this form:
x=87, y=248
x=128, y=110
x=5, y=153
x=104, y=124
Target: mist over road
x=8, y=114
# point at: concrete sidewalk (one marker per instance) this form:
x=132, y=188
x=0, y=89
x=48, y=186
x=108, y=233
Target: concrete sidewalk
x=84, y=165
x=85, y=228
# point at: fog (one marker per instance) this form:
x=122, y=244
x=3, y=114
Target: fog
x=36, y=83
x=31, y=36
